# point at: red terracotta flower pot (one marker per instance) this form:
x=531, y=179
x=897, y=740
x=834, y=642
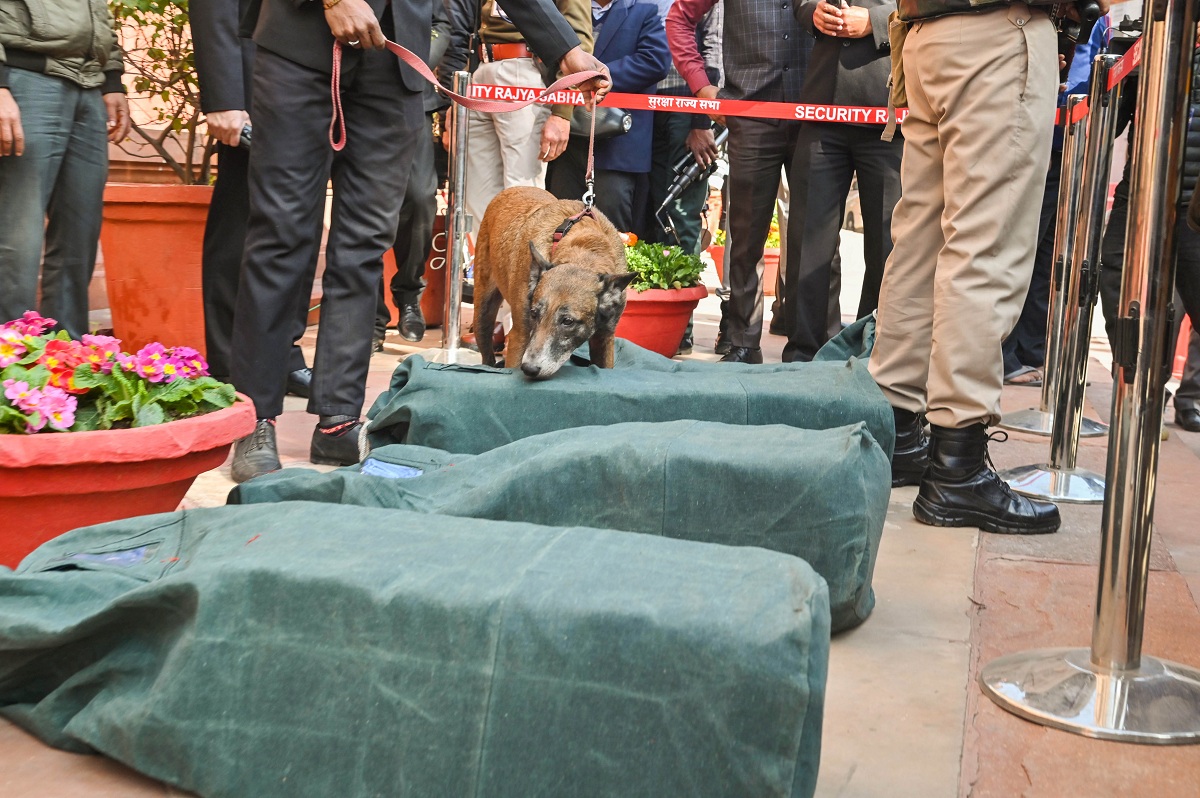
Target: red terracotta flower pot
x=656, y=319
x=770, y=270
x=433, y=298
x=51, y=483
x=717, y=253
x=152, y=239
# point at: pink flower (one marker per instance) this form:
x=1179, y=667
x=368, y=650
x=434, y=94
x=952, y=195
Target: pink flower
x=57, y=408
x=193, y=362
x=12, y=347
x=20, y=394
x=103, y=343
x=172, y=369
x=149, y=362
x=99, y=352
x=31, y=323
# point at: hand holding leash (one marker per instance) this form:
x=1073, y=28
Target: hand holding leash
x=594, y=89
x=353, y=23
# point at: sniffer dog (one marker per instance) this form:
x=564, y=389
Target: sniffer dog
x=563, y=289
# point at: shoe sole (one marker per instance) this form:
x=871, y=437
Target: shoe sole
x=959, y=518
x=903, y=480
x=333, y=461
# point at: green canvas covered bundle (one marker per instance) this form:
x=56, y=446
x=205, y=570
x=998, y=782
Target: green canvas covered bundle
x=306, y=649
x=471, y=409
x=820, y=495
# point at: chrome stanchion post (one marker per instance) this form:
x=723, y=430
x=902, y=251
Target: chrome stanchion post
x=1039, y=420
x=1061, y=480
x=456, y=244
x=1112, y=691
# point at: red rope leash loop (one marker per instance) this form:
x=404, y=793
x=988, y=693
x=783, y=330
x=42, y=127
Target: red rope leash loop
x=338, y=123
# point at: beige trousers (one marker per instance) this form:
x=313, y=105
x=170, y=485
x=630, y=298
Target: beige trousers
x=981, y=93
x=502, y=149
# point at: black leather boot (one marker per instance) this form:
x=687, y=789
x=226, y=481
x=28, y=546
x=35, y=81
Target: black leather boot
x=962, y=489
x=335, y=441
x=911, y=455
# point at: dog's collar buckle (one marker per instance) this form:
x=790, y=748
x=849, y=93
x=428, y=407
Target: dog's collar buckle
x=565, y=227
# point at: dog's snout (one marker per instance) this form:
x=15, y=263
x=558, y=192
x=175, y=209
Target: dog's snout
x=531, y=369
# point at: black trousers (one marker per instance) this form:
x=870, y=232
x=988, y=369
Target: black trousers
x=758, y=150
x=616, y=192
x=414, y=233
x=1112, y=259
x=827, y=158
x=1026, y=344
x=291, y=163
x=221, y=263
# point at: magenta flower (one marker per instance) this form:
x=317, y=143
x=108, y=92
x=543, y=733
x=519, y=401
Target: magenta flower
x=30, y=324
x=57, y=408
x=194, y=364
x=104, y=343
x=172, y=369
x=20, y=394
x=149, y=362
x=12, y=346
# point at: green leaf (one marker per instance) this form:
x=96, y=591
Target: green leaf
x=148, y=415
x=220, y=395
x=11, y=419
x=86, y=419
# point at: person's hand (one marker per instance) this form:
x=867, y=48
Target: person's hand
x=226, y=126
x=850, y=22
x=710, y=93
x=353, y=23
x=703, y=145
x=555, y=135
x=576, y=60
x=117, y=107
x=12, y=135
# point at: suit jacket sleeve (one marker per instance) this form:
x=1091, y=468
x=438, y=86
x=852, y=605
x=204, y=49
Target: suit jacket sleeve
x=545, y=29
x=218, y=52
x=879, y=24
x=457, y=58
x=441, y=33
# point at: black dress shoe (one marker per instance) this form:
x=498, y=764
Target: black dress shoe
x=335, y=441
x=743, y=354
x=256, y=454
x=1188, y=419
x=299, y=382
x=685, y=346
x=412, y=323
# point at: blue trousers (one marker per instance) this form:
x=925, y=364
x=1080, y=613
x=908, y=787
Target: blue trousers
x=51, y=199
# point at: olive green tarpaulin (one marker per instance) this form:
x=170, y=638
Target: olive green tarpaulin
x=471, y=409
x=820, y=495
x=305, y=649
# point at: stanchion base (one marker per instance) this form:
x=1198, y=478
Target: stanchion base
x=1040, y=422
x=1157, y=704
x=1071, y=485
x=459, y=355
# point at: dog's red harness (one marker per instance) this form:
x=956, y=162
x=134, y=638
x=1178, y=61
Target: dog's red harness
x=566, y=226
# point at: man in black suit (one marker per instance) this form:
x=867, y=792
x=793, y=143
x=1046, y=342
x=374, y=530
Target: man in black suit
x=224, y=64
x=849, y=65
x=290, y=164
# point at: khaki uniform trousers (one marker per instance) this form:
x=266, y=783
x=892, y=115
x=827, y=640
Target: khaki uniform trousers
x=981, y=93
x=503, y=149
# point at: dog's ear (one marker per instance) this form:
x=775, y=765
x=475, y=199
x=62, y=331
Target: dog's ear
x=537, y=267
x=616, y=282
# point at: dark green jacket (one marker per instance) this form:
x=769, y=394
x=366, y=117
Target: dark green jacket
x=70, y=39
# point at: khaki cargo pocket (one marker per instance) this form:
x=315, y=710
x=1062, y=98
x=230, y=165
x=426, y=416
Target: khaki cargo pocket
x=897, y=97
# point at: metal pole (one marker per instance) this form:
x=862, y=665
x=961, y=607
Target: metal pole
x=1039, y=420
x=1060, y=480
x=459, y=222
x=1112, y=691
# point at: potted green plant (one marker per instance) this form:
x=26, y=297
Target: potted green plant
x=661, y=298
x=153, y=231
x=141, y=427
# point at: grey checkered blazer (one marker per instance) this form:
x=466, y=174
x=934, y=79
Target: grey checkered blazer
x=766, y=51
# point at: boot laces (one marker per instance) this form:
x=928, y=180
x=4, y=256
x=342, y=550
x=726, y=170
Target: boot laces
x=996, y=436
x=261, y=436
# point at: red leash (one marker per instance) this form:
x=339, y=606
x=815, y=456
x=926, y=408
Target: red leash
x=337, y=126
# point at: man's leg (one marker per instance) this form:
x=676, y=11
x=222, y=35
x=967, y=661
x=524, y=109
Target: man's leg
x=73, y=217
x=289, y=168
x=670, y=145
x=26, y=182
x=369, y=180
x=520, y=132
x=823, y=169
x=877, y=164
x=221, y=262
x=757, y=151
x=997, y=150
x=414, y=236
